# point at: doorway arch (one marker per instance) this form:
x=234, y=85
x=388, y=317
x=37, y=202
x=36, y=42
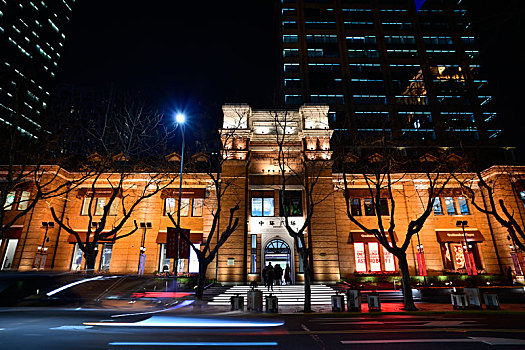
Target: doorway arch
x=277, y=251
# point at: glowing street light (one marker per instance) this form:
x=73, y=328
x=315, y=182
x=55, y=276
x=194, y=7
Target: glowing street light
x=180, y=118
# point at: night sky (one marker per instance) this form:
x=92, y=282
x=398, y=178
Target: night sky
x=197, y=55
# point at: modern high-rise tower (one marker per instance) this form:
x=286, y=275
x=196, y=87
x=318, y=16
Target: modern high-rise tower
x=387, y=70
x=31, y=41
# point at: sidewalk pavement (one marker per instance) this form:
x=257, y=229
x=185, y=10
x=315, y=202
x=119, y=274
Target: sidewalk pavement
x=202, y=307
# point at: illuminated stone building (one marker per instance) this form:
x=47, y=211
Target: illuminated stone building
x=339, y=249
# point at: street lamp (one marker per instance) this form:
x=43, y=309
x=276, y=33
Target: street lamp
x=180, y=118
x=40, y=259
x=142, y=256
x=471, y=270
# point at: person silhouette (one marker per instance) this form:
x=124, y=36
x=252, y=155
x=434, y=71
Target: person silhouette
x=270, y=275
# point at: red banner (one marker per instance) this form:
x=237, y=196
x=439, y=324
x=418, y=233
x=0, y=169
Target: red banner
x=516, y=262
x=522, y=263
x=422, y=269
x=473, y=264
x=174, y=249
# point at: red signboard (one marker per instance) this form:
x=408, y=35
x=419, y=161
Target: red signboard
x=172, y=244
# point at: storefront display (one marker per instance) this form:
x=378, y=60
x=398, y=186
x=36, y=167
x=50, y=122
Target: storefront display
x=370, y=256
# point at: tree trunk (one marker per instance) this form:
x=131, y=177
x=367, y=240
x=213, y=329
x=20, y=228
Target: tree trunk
x=405, y=283
x=201, y=279
x=91, y=258
x=307, y=281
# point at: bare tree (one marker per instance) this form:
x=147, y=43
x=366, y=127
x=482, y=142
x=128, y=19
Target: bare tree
x=211, y=162
x=302, y=162
x=381, y=172
x=130, y=166
x=25, y=178
x=489, y=193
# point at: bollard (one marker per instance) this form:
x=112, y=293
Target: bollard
x=338, y=302
x=272, y=303
x=374, y=303
x=237, y=302
x=491, y=301
x=353, y=297
x=459, y=301
x=473, y=298
x=254, y=300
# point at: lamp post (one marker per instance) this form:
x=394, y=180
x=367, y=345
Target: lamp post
x=180, y=118
x=471, y=270
x=142, y=256
x=40, y=260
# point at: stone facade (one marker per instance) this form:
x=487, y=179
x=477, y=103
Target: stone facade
x=252, y=170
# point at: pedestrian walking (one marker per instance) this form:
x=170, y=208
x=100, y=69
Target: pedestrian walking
x=278, y=271
x=287, y=279
x=265, y=276
x=270, y=275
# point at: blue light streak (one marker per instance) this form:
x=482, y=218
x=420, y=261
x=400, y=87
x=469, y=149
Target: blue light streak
x=193, y=344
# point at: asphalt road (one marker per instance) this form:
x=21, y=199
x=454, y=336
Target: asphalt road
x=46, y=328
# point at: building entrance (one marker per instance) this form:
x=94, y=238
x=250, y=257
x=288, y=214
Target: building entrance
x=278, y=251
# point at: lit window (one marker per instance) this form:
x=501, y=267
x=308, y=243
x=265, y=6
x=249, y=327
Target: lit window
x=197, y=207
x=463, y=206
x=262, y=203
x=98, y=206
x=292, y=203
x=449, y=204
x=436, y=207
x=369, y=207
x=10, y=200
x=355, y=206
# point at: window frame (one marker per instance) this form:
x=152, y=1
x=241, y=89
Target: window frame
x=368, y=204
x=355, y=207
x=465, y=205
x=113, y=210
x=262, y=195
x=453, y=203
x=437, y=200
x=288, y=197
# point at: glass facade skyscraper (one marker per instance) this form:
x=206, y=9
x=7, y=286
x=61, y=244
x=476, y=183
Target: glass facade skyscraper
x=31, y=40
x=387, y=70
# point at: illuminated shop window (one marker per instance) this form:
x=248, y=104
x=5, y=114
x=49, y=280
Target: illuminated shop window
x=164, y=262
x=371, y=257
x=453, y=255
